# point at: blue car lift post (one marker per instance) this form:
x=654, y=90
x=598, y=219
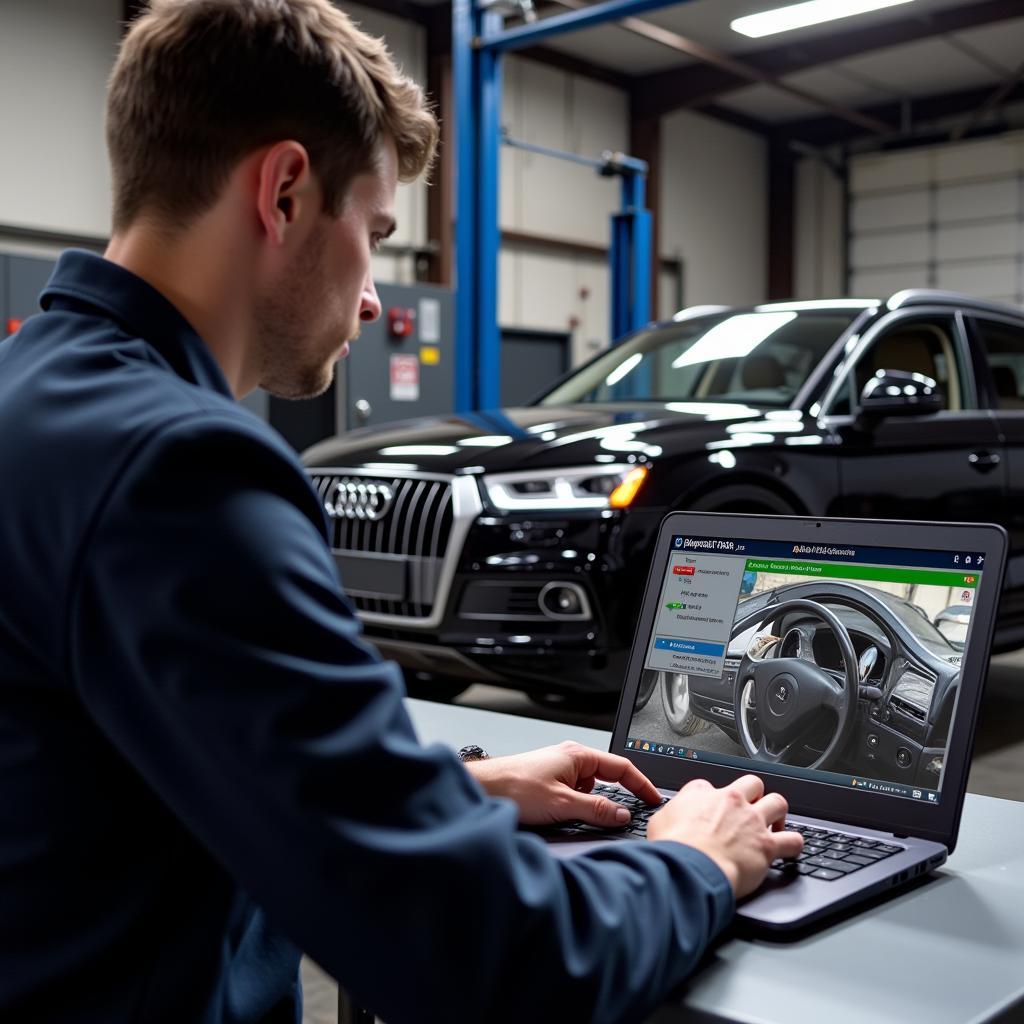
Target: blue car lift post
x=479, y=42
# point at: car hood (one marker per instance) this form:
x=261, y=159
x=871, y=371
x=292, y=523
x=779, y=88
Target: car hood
x=539, y=436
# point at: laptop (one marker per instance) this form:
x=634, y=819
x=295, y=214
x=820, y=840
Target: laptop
x=842, y=661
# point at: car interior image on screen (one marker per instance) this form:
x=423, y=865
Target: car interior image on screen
x=832, y=663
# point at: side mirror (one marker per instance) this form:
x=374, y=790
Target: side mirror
x=897, y=393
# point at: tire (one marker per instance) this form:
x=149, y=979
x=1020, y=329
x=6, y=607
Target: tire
x=675, y=699
x=648, y=684
x=740, y=498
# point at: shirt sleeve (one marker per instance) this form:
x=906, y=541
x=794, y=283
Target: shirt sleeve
x=210, y=640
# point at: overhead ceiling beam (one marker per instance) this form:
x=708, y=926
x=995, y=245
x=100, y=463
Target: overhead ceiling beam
x=997, y=97
x=738, y=120
x=575, y=65
x=665, y=91
x=739, y=68
x=827, y=131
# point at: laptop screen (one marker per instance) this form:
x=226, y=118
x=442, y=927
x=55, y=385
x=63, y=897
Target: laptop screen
x=833, y=663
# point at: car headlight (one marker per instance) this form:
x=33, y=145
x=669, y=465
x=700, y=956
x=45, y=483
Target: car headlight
x=584, y=487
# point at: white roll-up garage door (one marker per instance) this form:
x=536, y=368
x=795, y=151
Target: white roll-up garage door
x=949, y=216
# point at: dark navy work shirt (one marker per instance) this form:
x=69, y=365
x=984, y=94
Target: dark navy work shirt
x=204, y=768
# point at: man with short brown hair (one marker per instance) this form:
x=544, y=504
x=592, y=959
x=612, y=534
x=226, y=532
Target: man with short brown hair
x=203, y=767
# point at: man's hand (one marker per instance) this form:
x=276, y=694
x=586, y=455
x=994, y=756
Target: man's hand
x=738, y=827
x=554, y=784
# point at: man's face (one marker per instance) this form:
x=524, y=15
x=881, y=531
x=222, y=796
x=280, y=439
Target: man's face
x=316, y=308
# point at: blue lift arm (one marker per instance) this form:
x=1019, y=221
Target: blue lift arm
x=479, y=41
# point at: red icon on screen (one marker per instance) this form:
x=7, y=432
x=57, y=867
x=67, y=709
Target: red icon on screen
x=684, y=570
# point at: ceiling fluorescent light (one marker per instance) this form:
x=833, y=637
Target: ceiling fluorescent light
x=813, y=12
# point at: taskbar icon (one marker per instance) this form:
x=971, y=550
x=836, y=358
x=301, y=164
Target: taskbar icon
x=651, y=747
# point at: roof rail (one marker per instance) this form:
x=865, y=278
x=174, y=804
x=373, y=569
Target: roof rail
x=935, y=296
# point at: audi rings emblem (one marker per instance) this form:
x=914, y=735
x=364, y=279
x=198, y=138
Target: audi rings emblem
x=360, y=499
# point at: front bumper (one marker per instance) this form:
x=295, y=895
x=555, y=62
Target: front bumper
x=504, y=622
x=545, y=602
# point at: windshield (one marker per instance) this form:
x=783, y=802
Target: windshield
x=761, y=358
x=915, y=619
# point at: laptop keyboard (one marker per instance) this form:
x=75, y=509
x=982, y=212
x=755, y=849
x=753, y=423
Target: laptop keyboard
x=827, y=855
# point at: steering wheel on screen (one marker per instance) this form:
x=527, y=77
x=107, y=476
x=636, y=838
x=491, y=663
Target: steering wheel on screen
x=789, y=696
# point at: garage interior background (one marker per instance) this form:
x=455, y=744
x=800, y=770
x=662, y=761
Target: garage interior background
x=853, y=157
x=906, y=170
x=860, y=156
x=856, y=157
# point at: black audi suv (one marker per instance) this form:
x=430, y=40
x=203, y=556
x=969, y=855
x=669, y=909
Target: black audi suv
x=511, y=546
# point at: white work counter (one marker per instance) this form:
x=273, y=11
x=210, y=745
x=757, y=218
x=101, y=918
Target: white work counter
x=948, y=952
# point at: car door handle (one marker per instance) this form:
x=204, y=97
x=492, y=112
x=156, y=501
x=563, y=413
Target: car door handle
x=984, y=461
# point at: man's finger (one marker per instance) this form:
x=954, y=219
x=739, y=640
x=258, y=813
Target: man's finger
x=750, y=786
x=772, y=808
x=596, y=810
x=787, y=844
x=612, y=768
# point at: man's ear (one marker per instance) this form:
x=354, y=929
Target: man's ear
x=285, y=190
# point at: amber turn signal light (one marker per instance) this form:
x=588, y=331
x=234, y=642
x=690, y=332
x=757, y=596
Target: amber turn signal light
x=623, y=495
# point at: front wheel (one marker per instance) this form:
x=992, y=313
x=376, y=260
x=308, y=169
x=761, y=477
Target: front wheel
x=675, y=698
x=648, y=684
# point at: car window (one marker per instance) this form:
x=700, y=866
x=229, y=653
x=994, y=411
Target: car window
x=762, y=358
x=1004, y=347
x=919, y=345
x=915, y=619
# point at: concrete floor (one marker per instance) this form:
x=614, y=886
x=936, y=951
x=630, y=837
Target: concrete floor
x=997, y=769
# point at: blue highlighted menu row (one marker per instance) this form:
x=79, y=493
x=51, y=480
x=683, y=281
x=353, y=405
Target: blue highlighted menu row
x=690, y=647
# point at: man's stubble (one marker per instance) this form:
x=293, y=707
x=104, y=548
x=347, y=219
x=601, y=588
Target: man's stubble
x=294, y=365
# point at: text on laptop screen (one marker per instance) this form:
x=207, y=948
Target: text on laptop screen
x=833, y=663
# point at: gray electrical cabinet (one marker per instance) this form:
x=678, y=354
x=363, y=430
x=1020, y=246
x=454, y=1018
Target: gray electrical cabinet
x=22, y=278
x=402, y=365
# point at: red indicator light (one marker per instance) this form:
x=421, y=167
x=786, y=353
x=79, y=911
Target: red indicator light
x=400, y=322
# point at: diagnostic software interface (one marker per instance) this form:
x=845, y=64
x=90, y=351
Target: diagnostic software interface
x=840, y=664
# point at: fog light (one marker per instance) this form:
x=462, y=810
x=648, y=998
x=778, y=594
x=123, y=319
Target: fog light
x=564, y=601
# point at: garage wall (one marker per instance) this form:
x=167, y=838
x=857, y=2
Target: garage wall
x=407, y=42
x=714, y=203
x=949, y=217
x=818, y=231
x=55, y=56
x=556, y=199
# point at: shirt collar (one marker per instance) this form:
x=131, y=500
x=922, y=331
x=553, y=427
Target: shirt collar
x=83, y=279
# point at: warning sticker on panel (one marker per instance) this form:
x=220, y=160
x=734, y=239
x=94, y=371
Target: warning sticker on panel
x=405, y=378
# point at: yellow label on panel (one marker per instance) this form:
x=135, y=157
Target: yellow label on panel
x=430, y=356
